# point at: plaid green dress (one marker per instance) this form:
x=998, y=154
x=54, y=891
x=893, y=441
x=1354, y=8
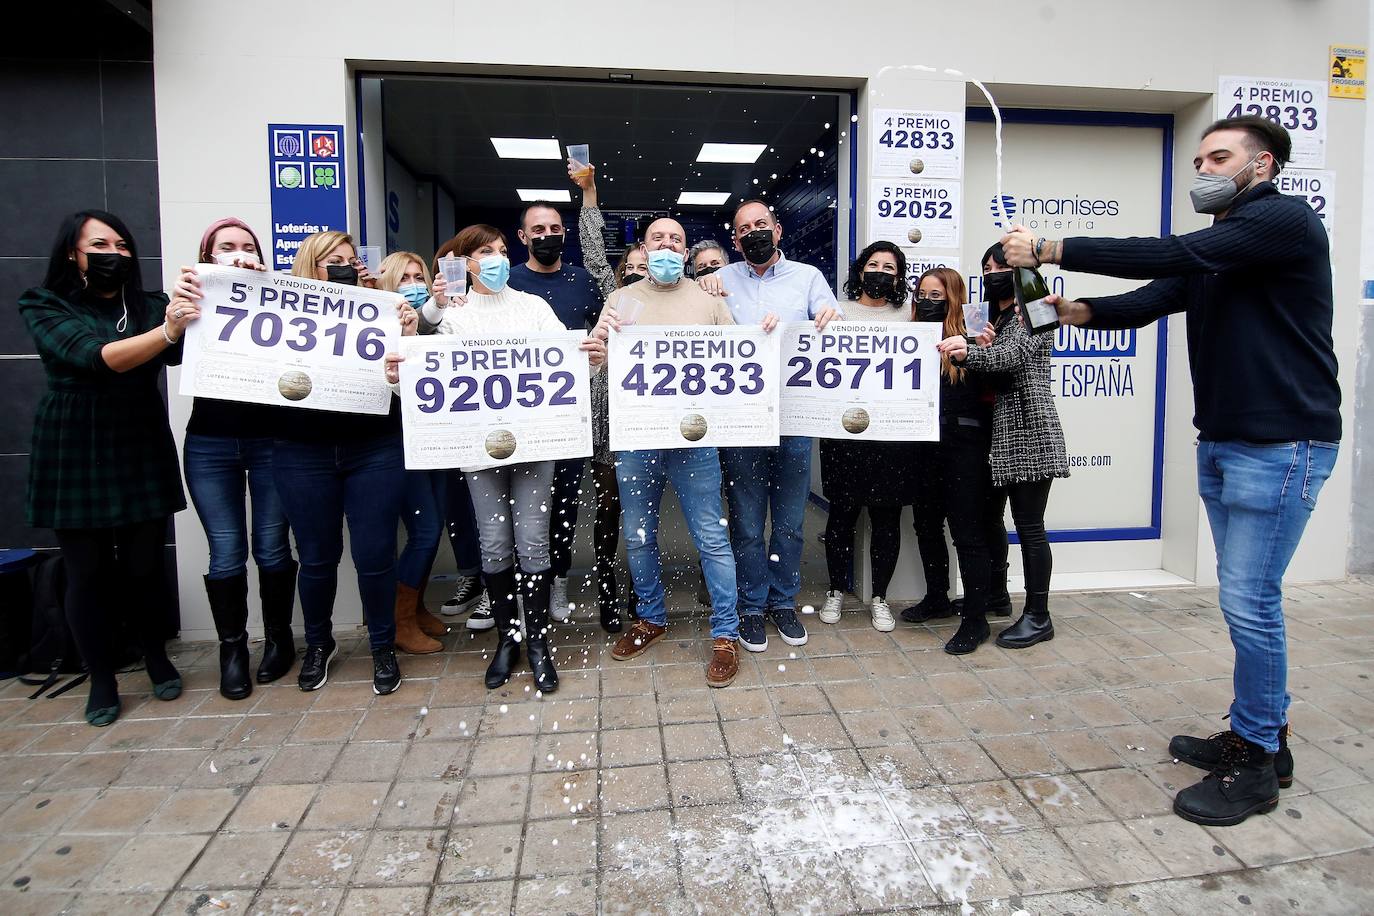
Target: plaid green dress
x=103, y=453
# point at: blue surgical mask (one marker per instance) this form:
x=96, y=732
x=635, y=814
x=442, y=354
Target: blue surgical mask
x=665, y=266
x=417, y=294
x=495, y=272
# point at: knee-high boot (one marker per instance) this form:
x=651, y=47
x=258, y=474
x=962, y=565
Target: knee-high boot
x=536, y=590
x=277, y=588
x=501, y=589
x=229, y=606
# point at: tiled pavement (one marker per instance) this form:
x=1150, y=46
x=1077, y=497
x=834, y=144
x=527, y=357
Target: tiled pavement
x=865, y=771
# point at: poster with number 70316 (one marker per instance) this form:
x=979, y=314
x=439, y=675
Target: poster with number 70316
x=267, y=338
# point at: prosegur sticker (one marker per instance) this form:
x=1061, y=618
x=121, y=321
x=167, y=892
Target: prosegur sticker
x=1347, y=72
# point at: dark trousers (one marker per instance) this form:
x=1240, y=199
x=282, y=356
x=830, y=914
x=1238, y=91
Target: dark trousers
x=928, y=519
x=462, y=524
x=886, y=544
x=970, y=504
x=567, y=492
x=1028, y=500
x=320, y=487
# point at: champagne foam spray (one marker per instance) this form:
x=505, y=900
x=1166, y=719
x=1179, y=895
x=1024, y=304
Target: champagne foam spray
x=1000, y=215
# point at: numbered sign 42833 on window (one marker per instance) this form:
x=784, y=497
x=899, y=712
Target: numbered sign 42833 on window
x=1299, y=106
x=475, y=403
x=277, y=339
x=861, y=380
x=910, y=144
x=693, y=387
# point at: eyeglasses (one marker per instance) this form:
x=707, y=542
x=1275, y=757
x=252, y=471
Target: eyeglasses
x=339, y=261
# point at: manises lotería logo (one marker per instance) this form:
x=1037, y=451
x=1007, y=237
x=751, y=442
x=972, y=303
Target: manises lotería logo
x=1054, y=213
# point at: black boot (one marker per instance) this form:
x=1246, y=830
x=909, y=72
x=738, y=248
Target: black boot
x=999, y=599
x=1033, y=627
x=933, y=606
x=1228, y=796
x=1219, y=751
x=229, y=605
x=501, y=589
x=278, y=592
x=973, y=632
x=536, y=588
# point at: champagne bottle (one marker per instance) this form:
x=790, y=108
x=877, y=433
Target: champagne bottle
x=1037, y=315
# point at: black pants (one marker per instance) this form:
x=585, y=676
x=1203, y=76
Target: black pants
x=606, y=529
x=928, y=518
x=883, y=550
x=567, y=493
x=1028, y=500
x=971, y=507
x=103, y=565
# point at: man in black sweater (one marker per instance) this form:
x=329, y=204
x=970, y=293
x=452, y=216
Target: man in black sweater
x=1256, y=287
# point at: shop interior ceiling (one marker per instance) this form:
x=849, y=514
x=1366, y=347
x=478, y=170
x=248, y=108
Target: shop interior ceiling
x=644, y=139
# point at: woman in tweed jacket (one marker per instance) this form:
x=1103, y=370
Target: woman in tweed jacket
x=1027, y=446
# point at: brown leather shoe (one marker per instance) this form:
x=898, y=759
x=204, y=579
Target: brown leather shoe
x=429, y=624
x=724, y=663
x=409, y=637
x=641, y=636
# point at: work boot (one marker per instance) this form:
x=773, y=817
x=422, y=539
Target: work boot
x=1220, y=750
x=506, y=612
x=1033, y=627
x=229, y=606
x=724, y=663
x=277, y=588
x=999, y=599
x=1227, y=796
x=537, y=588
x=409, y=637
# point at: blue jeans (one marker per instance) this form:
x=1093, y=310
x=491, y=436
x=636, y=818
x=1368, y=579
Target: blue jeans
x=1258, y=499
x=216, y=469
x=462, y=524
x=760, y=480
x=320, y=486
x=695, y=475
x=422, y=512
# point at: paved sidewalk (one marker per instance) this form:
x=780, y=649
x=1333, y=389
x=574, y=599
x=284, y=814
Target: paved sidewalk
x=864, y=771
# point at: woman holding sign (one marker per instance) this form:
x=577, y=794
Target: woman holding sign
x=331, y=467
x=1027, y=446
x=228, y=451
x=511, y=500
x=426, y=492
x=867, y=475
x=103, y=469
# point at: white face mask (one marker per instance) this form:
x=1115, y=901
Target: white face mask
x=227, y=258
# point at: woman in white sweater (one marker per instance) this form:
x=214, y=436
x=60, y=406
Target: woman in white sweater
x=511, y=501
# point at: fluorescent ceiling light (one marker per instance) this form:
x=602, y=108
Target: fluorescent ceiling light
x=526, y=148
x=731, y=152
x=552, y=195
x=703, y=198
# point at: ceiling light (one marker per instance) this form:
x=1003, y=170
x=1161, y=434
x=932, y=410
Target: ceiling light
x=526, y=148
x=552, y=195
x=731, y=152
x=703, y=198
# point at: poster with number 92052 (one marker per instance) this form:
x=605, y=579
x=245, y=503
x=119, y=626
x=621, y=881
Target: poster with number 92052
x=277, y=339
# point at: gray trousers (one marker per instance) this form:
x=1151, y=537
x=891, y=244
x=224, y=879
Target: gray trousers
x=513, y=507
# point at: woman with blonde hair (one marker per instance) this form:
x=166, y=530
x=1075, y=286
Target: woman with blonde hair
x=422, y=507
x=331, y=467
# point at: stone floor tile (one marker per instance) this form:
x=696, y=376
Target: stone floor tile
x=764, y=779
x=701, y=782
x=631, y=746
x=150, y=863
x=498, y=755
x=568, y=895
x=486, y=898
x=807, y=882
x=887, y=876
x=748, y=738
x=394, y=901
x=263, y=730
x=222, y=768
x=876, y=728
x=66, y=862
x=481, y=853
x=94, y=770
x=236, y=860
x=217, y=901
x=346, y=805
x=564, y=794
x=45, y=812
x=963, y=870
x=419, y=804
x=1184, y=848
x=932, y=723
x=693, y=741
x=563, y=846
x=692, y=705
x=820, y=731
x=997, y=806
x=1022, y=755
x=1319, y=826
x=747, y=703
x=400, y=857
x=629, y=712
x=961, y=761
x=1110, y=853
x=633, y=789
x=900, y=766
x=95, y=903
x=319, y=858
x=565, y=752
x=492, y=799
x=1063, y=800
x=193, y=811
x=1129, y=793
x=1038, y=862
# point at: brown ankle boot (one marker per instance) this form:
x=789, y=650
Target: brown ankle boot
x=409, y=637
x=431, y=625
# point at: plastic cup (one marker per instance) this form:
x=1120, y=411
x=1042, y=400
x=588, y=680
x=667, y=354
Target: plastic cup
x=580, y=156
x=628, y=310
x=975, y=317
x=455, y=273
x=372, y=258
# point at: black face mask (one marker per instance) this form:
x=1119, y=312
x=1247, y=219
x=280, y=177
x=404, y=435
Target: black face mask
x=346, y=274
x=930, y=309
x=107, y=271
x=707, y=271
x=879, y=284
x=758, y=246
x=997, y=286
x=631, y=278
x=547, y=249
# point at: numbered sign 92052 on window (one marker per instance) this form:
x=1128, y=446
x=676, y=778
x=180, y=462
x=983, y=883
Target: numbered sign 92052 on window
x=915, y=214
x=861, y=380
x=692, y=387
x=924, y=144
x=476, y=403
x=277, y=339
x=1299, y=106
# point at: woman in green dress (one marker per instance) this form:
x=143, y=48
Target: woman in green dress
x=103, y=473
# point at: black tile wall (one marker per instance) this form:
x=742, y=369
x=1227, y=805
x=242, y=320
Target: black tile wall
x=17, y=275
x=24, y=386
x=38, y=193
x=52, y=109
x=131, y=194
x=127, y=101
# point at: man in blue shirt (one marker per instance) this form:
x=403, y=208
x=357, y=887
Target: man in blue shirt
x=576, y=300
x=766, y=288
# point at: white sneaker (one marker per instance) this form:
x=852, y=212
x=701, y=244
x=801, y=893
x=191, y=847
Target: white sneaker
x=480, y=618
x=559, y=608
x=830, y=611
x=882, y=616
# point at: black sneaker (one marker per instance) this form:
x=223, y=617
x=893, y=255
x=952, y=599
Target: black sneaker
x=465, y=596
x=315, y=666
x=480, y=618
x=751, y=632
x=1222, y=749
x=932, y=607
x=386, y=673
x=1228, y=796
x=789, y=627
